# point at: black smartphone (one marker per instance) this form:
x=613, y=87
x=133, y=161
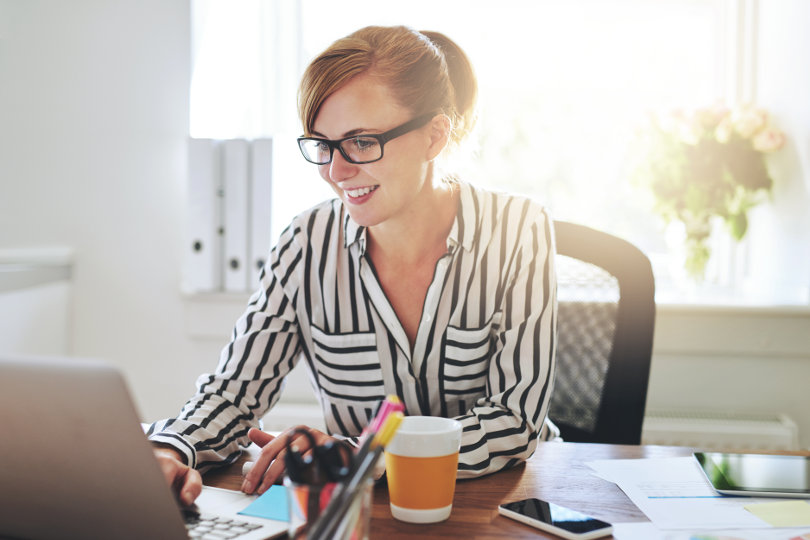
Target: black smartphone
x=556, y=519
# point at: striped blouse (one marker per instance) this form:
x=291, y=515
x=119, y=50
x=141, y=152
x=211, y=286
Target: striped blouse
x=484, y=350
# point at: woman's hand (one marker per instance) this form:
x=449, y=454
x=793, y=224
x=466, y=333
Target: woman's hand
x=270, y=465
x=184, y=481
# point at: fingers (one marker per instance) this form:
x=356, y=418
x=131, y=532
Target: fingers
x=271, y=454
x=191, y=486
x=259, y=437
x=273, y=473
x=184, y=481
x=270, y=465
x=272, y=449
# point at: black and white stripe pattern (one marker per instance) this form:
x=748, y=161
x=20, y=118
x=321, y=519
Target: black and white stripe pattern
x=484, y=352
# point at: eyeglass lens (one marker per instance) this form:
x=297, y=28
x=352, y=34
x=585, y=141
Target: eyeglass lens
x=357, y=149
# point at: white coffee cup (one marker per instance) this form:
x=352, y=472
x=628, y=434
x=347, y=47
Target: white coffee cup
x=421, y=464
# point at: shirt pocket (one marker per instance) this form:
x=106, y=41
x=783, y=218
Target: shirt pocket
x=348, y=366
x=467, y=353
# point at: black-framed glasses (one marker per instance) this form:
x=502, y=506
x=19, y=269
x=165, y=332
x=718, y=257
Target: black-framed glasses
x=357, y=149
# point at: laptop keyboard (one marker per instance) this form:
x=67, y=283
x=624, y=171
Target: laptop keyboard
x=210, y=527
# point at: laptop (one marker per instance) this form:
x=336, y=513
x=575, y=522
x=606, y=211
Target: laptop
x=74, y=461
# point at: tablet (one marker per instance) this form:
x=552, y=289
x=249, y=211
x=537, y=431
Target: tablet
x=762, y=475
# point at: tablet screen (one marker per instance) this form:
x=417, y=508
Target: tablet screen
x=757, y=473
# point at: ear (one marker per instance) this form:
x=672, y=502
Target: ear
x=439, y=133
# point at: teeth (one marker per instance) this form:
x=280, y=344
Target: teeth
x=360, y=192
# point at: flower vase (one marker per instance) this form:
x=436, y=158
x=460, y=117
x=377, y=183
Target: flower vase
x=696, y=240
x=688, y=254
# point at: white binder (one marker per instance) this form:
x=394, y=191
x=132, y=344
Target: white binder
x=203, y=272
x=261, y=176
x=235, y=171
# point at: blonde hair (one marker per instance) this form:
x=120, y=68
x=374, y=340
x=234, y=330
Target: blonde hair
x=426, y=72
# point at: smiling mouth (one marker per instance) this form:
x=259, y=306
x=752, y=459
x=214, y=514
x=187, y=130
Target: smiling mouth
x=354, y=193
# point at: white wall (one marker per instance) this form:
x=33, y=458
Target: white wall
x=93, y=123
x=782, y=69
x=93, y=120
x=745, y=360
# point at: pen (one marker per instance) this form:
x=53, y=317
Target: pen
x=391, y=404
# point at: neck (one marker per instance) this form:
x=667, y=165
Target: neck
x=421, y=231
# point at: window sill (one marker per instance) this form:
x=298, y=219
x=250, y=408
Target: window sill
x=739, y=309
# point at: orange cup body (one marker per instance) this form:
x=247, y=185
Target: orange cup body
x=421, y=483
x=421, y=462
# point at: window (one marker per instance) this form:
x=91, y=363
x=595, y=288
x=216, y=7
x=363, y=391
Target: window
x=562, y=86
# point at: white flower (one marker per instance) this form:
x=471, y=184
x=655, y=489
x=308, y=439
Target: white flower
x=748, y=120
x=723, y=130
x=689, y=133
x=768, y=140
x=671, y=122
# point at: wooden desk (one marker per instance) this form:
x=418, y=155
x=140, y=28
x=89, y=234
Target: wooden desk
x=557, y=473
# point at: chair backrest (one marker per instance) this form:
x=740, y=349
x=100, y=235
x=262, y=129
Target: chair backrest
x=605, y=324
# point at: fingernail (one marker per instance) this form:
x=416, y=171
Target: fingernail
x=247, y=487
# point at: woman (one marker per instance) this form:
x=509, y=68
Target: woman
x=407, y=283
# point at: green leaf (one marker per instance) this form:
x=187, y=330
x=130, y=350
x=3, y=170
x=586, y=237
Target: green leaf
x=738, y=225
x=697, y=255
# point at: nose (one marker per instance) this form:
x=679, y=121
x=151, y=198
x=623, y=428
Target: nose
x=340, y=169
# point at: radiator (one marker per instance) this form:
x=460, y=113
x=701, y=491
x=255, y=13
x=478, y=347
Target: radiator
x=720, y=431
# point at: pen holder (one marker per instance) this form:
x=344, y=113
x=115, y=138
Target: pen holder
x=307, y=503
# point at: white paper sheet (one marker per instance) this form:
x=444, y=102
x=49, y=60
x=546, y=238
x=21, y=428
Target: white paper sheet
x=648, y=531
x=674, y=494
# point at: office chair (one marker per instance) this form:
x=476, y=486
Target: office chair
x=605, y=323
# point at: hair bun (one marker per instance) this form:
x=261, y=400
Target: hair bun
x=462, y=78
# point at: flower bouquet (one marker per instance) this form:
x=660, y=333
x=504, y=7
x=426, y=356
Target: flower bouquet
x=704, y=164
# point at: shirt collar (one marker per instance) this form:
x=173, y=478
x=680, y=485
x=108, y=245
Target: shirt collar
x=464, y=226
x=352, y=232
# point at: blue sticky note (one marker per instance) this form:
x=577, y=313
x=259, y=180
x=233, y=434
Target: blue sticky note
x=272, y=504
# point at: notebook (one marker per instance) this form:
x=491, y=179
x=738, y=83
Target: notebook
x=74, y=461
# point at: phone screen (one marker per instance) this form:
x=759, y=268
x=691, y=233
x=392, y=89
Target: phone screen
x=557, y=516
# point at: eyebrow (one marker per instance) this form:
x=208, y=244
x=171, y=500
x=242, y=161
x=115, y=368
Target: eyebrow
x=350, y=133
